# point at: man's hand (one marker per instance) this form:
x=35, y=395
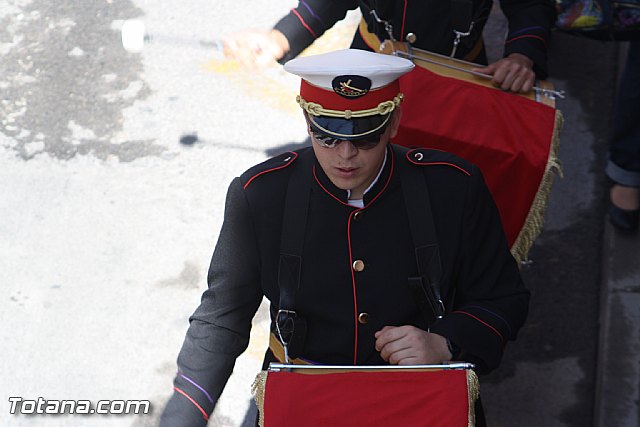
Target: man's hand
x=256, y=47
x=514, y=73
x=408, y=345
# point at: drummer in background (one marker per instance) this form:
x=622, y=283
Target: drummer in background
x=432, y=25
x=369, y=253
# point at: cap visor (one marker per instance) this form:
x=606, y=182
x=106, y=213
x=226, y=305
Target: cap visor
x=349, y=129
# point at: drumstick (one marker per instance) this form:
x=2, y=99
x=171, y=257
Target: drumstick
x=135, y=37
x=550, y=93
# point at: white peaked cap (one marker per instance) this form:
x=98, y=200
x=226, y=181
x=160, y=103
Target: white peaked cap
x=320, y=70
x=350, y=93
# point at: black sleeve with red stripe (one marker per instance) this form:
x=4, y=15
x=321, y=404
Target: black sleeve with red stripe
x=309, y=20
x=219, y=328
x=188, y=406
x=491, y=302
x=530, y=23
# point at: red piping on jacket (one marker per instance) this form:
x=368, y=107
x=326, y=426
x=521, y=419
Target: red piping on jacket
x=404, y=15
x=527, y=36
x=353, y=278
x=204, y=414
x=353, y=286
x=484, y=323
x=305, y=24
x=327, y=191
x=437, y=163
x=295, y=155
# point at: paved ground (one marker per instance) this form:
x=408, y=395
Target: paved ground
x=109, y=220
x=618, y=374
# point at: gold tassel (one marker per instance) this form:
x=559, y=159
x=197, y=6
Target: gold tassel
x=473, y=391
x=257, y=389
x=533, y=224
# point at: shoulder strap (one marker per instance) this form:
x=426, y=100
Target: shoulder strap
x=294, y=220
x=423, y=232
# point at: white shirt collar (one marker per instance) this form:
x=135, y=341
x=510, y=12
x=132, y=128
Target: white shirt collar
x=359, y=203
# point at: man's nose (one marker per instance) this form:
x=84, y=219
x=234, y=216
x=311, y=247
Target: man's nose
x=346, y=150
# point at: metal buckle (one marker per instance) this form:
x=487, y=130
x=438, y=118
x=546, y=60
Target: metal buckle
x=288, y=314
x=387, y=27
x=459, y=35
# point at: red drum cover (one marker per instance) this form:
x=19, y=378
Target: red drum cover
x=439, y=398
x=509, y=137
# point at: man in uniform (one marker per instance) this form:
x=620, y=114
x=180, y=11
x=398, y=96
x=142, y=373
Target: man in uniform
x=369, y=253
x=446, y=27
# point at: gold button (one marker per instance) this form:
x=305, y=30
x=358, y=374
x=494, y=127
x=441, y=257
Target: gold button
x=357, y=215
x=358, y=265
x=363, y=318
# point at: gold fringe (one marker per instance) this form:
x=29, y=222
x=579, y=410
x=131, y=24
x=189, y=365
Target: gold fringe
x=257, y=389
x=260, y=383
x=533, y=224
x=473, y=391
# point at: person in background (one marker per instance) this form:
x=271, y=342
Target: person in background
x=369, y=253
x=623, y=166
x=452, y=27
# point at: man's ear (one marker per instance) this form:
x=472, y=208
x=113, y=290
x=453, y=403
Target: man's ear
x=395, y=121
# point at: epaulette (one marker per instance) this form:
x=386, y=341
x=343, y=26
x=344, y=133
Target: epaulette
x=273, y=164
x=431, y=157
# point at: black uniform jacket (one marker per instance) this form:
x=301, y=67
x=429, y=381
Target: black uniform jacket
x=481, y=285
x=432, y=22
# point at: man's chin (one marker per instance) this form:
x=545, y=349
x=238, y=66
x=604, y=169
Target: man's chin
x=342, y=183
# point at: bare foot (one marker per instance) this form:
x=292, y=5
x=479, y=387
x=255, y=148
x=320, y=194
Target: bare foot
x=626, y=198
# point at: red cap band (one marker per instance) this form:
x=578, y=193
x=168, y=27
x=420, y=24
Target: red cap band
x=332, y=101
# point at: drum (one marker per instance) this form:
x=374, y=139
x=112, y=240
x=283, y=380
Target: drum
x=512, y=138
x=352, y=396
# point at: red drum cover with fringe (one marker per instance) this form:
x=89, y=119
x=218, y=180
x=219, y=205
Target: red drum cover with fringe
x=353, y=399
x=509, y=137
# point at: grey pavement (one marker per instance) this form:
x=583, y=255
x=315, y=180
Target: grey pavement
x=618, y=367
x=618, y=374
x=617, y=370
x=590, y=292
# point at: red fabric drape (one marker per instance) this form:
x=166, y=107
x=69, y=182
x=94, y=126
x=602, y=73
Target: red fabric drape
x=507, y=136
x=354, y=399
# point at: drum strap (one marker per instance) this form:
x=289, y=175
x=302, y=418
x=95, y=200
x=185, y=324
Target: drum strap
x=423, y=231
x=462, y=22
x=374, y=43
x=290, y=327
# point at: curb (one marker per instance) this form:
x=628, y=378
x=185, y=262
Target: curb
x=617, y=394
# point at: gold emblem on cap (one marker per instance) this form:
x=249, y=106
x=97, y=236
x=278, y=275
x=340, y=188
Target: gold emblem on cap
x=351, y=86
x=346, y=89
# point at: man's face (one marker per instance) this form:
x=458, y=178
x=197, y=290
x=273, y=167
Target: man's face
x=350, y=168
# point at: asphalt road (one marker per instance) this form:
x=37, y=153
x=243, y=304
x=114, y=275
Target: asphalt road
x=113, y=172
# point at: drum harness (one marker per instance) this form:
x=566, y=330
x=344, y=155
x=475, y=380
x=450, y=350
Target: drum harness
x=462, y=20
x=290, y=326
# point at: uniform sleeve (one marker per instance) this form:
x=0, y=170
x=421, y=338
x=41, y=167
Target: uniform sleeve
x=491, y=302
x=530, y=23
x=219, y=329
x=309, y=20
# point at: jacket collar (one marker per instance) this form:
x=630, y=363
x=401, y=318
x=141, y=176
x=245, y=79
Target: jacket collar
x=342, y=196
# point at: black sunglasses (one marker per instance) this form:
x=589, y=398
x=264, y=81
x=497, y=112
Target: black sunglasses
x=326, y=141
